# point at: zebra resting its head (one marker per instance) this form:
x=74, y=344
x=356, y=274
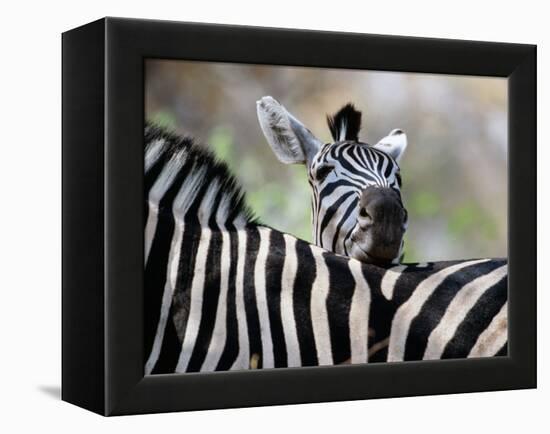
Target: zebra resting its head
x=357, y=209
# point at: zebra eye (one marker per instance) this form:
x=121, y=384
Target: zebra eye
x=322, y=172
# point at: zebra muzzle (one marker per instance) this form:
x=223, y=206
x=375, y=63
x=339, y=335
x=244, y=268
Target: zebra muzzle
x=380, y=227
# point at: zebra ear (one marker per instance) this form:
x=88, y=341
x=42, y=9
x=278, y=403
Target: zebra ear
x=289, y=139
x=394, y=144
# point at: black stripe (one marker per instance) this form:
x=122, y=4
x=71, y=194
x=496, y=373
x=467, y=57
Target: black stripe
x=350, y=232
x=149, y=180
x=338, y=302
x=370, y=161
x=154, y=171
x=353, y=154
x=154, y=281
x=350, y=168
x=170, y=349
x=389, y=167
x=186, y=271
x=411, y=277
x=381, y=310
x=476, y=321
x=378, y=152
x=436, y=305
x=303, y=284
x=350, y=209
x=231, y=349
x=380, y=164
x=329, y=213
x=503, y=352
x=360, y=153
x=380, y=356
x=353, y=182
x=313, y=197
x=212, y=223
x=210, y=298
x=249, y=293
x=329, y=189
x=274, y=271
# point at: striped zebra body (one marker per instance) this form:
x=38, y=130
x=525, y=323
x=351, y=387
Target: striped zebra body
x=259, y=298
x=224, y=292
x=440, y=310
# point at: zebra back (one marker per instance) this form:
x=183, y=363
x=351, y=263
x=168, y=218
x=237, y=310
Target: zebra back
x=224, y=292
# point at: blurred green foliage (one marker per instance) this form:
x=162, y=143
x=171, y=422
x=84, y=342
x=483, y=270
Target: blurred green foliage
x=424, y=204
x=221, y=142
x=470, y=217
x=164, y=119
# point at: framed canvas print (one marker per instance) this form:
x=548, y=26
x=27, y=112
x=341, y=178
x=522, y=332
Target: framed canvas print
x=257, y=216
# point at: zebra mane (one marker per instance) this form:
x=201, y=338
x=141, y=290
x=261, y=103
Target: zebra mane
x=188, y=180
x=345, y=124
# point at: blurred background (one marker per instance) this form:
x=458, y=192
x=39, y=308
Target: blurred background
x=454, y=170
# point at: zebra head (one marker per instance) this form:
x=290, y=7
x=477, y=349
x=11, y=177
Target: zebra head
x=357, y=209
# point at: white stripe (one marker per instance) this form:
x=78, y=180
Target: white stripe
x=319, y=316
x=195, y=308
x=389, y=280
x=359, y=315
x=463, y=301
x=347, y=225
x=261, y=299
x=327, y=235
x=383, y=171
x=159, y=189
x=188, y=192
x=240, y=221
x=207, y=202
x=153, y=152
x=175, y=252
x=373, y=169
x=219, y=334
x=493, y=337
x=150, y=228
x=408, y=310
x=287, y=303
x=243, y=358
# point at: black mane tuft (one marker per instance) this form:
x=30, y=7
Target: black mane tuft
x=345, y=124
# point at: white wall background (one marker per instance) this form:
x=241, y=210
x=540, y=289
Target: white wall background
x=30, y=194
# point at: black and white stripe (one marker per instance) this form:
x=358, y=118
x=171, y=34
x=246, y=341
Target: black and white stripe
x=336, y=195
x=452, y=309
x=224, y=292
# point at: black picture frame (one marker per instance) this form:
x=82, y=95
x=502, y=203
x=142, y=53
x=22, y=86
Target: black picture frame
x=103, y=110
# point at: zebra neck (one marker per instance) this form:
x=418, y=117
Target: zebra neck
x=184, y=183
